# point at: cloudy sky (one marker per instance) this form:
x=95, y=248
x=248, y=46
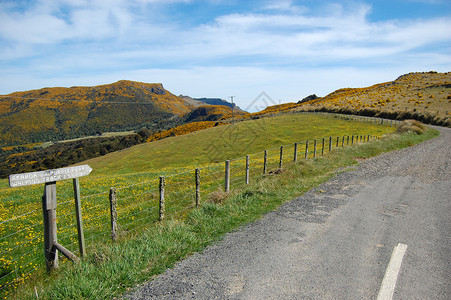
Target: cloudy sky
x=221, y=48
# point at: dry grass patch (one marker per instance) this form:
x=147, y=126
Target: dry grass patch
x=218, y=196
x=411, y=126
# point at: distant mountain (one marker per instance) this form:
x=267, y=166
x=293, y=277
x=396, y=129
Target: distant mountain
x=211, y=113
x=192, y=101
x=50, y=114
x=218, y=101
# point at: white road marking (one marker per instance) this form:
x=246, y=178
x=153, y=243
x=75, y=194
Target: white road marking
x=391, y=275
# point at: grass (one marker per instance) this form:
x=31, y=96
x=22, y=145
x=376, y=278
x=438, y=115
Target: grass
x=227, y=142
x=135, y=171
x=112, y=269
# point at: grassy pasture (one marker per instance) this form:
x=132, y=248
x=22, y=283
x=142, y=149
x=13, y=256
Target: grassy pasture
x=218, y=144
x=135, y=171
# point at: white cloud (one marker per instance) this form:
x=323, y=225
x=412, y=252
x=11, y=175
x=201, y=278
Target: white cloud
x=283, y=5
x=243, y=52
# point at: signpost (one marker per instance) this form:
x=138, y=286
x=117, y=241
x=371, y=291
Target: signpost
x=24, y=179
x=49, y=178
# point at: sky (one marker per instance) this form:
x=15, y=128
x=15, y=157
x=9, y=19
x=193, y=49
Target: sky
x=282, y=49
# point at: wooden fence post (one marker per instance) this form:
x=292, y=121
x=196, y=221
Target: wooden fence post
x=330, y=143
x=227, y=176
x=338, y=140
x=197, y=175
x=265, y=162
x=113, y=213
x=247, y=169
x=295, y=157
x=49, y=212
x=352, y=140
x=347, y=140
x=162, y=208
x=322, y=148
x=343, y=142
x=81, y=236
x=314, y=149
x=281, y=157
x=306, y=149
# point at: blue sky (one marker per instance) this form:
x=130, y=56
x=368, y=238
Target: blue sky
x=217, y=48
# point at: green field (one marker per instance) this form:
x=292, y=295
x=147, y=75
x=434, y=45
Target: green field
x=226, y=142
x=135, y=173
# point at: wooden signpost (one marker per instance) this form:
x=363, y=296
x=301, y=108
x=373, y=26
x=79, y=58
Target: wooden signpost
x=49, y=178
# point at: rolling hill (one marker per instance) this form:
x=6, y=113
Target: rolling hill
x=62, y=113
x=51, y=114
x=422, y=95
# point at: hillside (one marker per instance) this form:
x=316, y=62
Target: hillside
x=63, y=113
x=211, y=113
x=219, y=143
x=417, y=94
x=219, y=101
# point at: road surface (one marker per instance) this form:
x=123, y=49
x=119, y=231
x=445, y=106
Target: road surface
x=338, y=240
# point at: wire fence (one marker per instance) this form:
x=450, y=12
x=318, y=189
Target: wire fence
x=139, y=203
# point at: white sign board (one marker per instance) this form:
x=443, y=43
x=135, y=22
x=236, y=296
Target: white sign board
x=24, y=179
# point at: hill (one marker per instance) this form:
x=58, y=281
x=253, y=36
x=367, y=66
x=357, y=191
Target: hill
x=219, y=101
x=210, y=101
x=219, y=143
x=425, y=96
x=211, y=113
x=33, y=116
x=64, y=113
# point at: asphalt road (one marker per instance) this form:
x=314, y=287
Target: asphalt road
x=336, y=241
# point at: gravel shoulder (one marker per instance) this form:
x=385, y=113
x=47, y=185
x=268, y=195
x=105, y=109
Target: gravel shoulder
x=335, y=241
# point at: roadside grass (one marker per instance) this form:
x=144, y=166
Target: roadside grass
x=115, y=268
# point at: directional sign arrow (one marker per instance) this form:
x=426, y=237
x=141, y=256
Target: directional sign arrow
x=24, y=179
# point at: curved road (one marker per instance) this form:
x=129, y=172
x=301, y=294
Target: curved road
x=336, y=241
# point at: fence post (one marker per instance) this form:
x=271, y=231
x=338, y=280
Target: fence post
x=265, y=162
x=338, y=140
x=162, y=208
x=197, y=175
x=343, y=142
x=352, y=140
x=295, y=157
x=113, y=212
x=247, y=169
x=314, y=149
x=227, y=176
x=81, y=236
x=330, y=143
x=49, y=212
x=322, y=148
x=281, y=157
x=347, y=140
x=306, y=149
